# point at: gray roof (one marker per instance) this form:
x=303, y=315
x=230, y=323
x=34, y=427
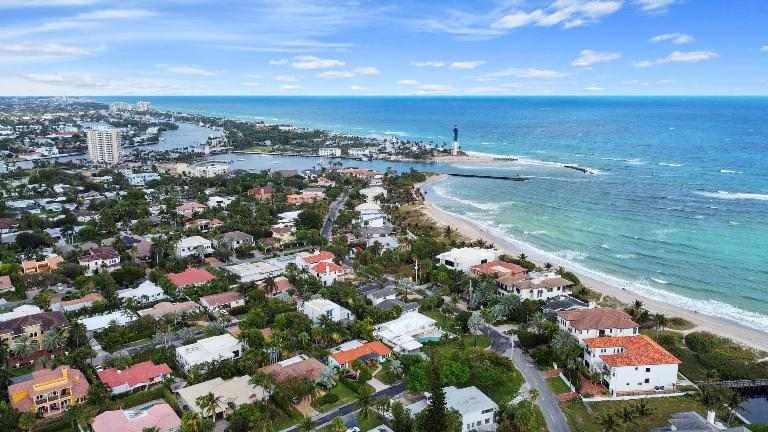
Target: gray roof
x=382, y=292
x=563, y=303
x=404, y=307
x=691, y=421
x=235, y=235
x=466, y=400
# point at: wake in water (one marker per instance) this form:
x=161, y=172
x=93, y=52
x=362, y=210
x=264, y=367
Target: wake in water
x=733, y=195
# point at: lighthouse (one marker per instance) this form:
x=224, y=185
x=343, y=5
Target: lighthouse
x=455, y=149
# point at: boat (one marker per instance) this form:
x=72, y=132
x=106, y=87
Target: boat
x=240, y=159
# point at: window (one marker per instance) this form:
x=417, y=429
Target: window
x=647, y=370
x=647, y=380
x=486, y=411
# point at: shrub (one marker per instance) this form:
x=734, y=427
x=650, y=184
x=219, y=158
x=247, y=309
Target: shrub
x=328, y=399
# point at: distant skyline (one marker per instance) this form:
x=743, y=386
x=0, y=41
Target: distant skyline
x=361, y=47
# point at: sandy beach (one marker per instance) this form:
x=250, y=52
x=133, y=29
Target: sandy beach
x=726, y=328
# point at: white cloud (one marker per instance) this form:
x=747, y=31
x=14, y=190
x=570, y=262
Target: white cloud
x=589, y=58
x=357, y=88
x=115, y=14
x=675, y=38
x=187, y=70
x=432, y=63
x=41, y=50
x=44, y=3
x=408, y=82
x=529, y=73
x=688, y=56
x=433, y=89
x=467, y=65
x=336, y=74
x=367, y=71
x=278, y=62
x=312, y=62
x=568, y=13
x=285, y=78
x=289, y=87
x=252, y=84
x=764, y=48
x=643, y=64
x=75, y=84
x=655, y=5
x=594, y=88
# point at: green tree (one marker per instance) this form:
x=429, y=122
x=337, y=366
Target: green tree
x=27, y=421
x=401, y=420
x=209, y=403
x=435, y=416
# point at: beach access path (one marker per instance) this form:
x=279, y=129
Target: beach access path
x=739, y=333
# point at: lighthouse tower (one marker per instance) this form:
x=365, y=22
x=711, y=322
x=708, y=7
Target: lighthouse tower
x=455, y=148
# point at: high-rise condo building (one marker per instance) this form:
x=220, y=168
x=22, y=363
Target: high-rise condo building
x=104, y=145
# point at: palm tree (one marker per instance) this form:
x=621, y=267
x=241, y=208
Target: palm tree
x=27, y=421
x=54, y=340
x=366, y=402
x=209, y=403
x=523, y=257
x=734, y=400
x=643, y=409
x=609, y=422
x=337, y=425
x=305, y=425
x=627, y=415
x=24, y=346
x=661, y=321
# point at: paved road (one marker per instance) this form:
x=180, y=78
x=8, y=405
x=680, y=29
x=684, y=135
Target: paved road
x=547, y=401
x=333, y=211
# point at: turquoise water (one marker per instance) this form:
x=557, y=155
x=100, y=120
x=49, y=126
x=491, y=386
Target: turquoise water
x=677, y=212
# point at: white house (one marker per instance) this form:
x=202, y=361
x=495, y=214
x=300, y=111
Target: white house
x=536, y=286
x=406, y=333
x=306, y=260
x=194, y=245
x=100, y=322
x=100, y=258
x=370, y=193
x=329, y=152
x=317, y=308
x=207, y=169
x=478, y=411
x=232, y=393
x=222, y=347
x=327, y=272
x=598, y=322
x=222, y=301
x=465, y=258
x=219, y=202
x=631, y=364
x=146, y=292
x=141, y=179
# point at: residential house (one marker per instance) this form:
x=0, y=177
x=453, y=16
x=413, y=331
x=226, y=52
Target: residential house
x=329, y=152
x=305, y=197
x=305, y=260
x=691, y=421
x=193, y=246
x=498, y=268
x=406, y=333
x=49, y=392
x=598, y=322
x=465, y=258
x=346, y=354
x=83, y=302
x=477, y=411
x=315, y=309
x=300, y=366
x=190, y=277
x=222, y=301
x=159, y=416
x=49, y=264
x=536, y=286
x=190, y=209
x=141, y=179
x=256, y=271
x=221, y=347
x=562, y=303
x=631, y=364
x=100, y=322
x=8, y=225
x=20, y=311
x=6, y=284
x=327, y=272
x=146, y=292
x=219, y=202
x=165, y=308
x=232, y=393
x=136, y=377
x=34, y=327
x=100, y=259
x=234, y=240
x=372, y=193
x=283, y=234
x=203, y=225
x=142, y=251
x=261, y=193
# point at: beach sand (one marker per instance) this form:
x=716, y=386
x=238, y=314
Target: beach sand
x=719, y=326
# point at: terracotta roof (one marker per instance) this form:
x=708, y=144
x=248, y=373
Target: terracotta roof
x=361, y=351
x=499, y=267
x=8, y=223
x=318, y=257
x=161, y=416
x=191, y=206
x=220, y=299
x=190, y=276
x=140, y=373
x=327, y=267
x=164, y=308
x=22, y=394
x=598, y=318
x=637, y=351
x=92, y=297
x=47, y=320
x=282, y=284
x=5, y=283
x=309, y=368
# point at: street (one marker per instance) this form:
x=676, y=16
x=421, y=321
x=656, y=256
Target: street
x=333, y=211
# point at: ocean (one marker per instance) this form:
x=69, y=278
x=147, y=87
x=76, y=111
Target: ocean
x=677, y=209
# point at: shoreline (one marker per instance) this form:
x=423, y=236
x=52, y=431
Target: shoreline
x=722, y=327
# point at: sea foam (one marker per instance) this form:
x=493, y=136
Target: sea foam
x=733, y=195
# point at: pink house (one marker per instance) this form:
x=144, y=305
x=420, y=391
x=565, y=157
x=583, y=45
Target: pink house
x=160, y=416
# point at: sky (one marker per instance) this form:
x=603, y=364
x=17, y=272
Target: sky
x=380, y=47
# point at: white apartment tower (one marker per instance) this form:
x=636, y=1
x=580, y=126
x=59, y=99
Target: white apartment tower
x=104, y=145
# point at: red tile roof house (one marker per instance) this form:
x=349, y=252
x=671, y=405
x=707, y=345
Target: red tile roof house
x=327, y=272
x=8, y=225
x=631, y=365
x=369, y=351
x=190, y=209
x=261, y=193
x=100, y=258
x=6, y=284
x=203, y=225
x=160, y=416
x=137, y=377
x=222, y=301
x=190, y=277
x=306, y=260
x=498, y=268
x=300, y=366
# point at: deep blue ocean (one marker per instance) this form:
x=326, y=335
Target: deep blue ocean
x=677, y=211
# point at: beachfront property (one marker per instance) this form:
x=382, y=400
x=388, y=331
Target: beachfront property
x=100, y=259
x=231, y=393
x=370, y=215
x=48, y=392
x=372, y=193
x=160, y=416
x=222, y=302
x=498, y=268
x=190, y=209
x=134, y=378
x=100, y=322
x=74, y=305
x=221, y=347
x=631, y=365
x=465, y=258
x=535, y=286
x=299, y=366
x=598, y=322
x=195, y=245
x=190, y=277
x=477, y=411
x=49, y=264
x=406, y=333
x=318, y=308
x=165, y=308
x=146, y=292
x=347, y=353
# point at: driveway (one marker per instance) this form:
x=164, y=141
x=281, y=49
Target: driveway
x=547, y=401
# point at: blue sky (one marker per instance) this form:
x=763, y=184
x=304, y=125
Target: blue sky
x=361, y=47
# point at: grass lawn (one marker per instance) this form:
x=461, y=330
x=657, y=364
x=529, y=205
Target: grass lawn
x=288, y=420
x=370, y=422
x=345, y=395
x=443, y=321
x=385, y=375
x=557, y=385
x=19, y=371
x=583, y=420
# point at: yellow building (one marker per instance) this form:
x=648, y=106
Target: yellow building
x=49, y=392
